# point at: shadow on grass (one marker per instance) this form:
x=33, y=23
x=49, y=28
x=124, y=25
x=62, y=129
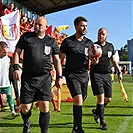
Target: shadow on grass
x=69, y=125
x=118, y=115
x=10, y=125
x=116, y=106
x=110, y=115
x=110, y=106
x=16, y=125
x=61, y=125
x=90, y=114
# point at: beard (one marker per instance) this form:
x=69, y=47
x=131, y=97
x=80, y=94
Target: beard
x=102, y=40
x=82, y=33
x=38, y=31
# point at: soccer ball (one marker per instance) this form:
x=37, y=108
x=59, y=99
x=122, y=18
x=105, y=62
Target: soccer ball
x=95, y=51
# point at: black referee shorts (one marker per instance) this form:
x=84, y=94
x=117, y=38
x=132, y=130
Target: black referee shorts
x=35, y=88
x=78, y=84
x=101, y=83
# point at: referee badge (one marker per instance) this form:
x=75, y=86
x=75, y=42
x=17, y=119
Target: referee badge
x=47, y=50
x=86, y=51
x=109, y=54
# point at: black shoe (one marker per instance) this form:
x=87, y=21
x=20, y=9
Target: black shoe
x=77, y=131
x=26, y=127
x=103, y=125
x=96, y=117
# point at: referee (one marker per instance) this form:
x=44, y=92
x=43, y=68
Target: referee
x=100, y=76
x=36, y=78
x=75, y=50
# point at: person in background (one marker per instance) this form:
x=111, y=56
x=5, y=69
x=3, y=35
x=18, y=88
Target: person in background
x=36, y=78
x=124, y=69
x=4, y=8
x=14, y=85
x=24, y=18
x=112, y=74
x=100, y=76
x=3, y=106
x=4, y=77
x=14, y=82
x=75, y=50
x=9, y=9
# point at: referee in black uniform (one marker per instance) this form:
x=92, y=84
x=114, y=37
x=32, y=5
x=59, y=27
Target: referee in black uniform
x=36, y=78
x=75, y=50
x=100, y=76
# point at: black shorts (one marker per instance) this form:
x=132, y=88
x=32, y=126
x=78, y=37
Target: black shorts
x=35, y=88
x=101, y=83
x=78, y=84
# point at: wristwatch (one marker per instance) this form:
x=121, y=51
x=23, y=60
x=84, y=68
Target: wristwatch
x=60, y=76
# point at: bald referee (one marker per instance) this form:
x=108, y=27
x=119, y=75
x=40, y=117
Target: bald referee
x=100, y=76
x=36, y=78
x=75, y=50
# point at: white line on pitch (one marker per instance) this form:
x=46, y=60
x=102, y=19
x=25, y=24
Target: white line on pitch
x=124, y=125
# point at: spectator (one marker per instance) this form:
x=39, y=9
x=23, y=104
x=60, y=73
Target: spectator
x=124, y=69
x=4, y=8
x=24, y=18
x=10, y=9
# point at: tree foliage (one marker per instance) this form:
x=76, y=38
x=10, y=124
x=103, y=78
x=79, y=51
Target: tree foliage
x=123, y=53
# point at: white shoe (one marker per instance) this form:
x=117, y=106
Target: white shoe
x=14, y=115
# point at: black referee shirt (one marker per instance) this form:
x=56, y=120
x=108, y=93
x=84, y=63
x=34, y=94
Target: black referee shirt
x=76, y=54
x=37, y=53
x=104, y=62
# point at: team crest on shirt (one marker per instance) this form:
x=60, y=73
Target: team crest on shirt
x=47, y=50
x=109, y=54
x=86, y=51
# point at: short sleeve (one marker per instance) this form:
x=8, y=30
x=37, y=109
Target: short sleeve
x=56, y=49
x=21, y=42
x=63, y=47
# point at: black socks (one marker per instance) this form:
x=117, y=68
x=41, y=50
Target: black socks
x=77, y=114
x=25, y=117
x=44, y=121
x=100, y=111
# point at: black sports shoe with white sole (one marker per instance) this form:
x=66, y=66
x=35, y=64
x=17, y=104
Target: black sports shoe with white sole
x=103, y=125
x=96, y=117
x=77, y=131
x=26, y=127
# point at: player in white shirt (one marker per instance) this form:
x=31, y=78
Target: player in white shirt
x=5, y=87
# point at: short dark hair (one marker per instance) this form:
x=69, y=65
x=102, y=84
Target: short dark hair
x=3, y=44
x=78, y=19
x=11, y=3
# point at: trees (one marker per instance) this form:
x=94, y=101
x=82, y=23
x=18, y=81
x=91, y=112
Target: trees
x=123, y=53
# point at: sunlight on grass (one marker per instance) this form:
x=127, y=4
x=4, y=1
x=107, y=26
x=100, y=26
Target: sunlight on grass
x=116, y=113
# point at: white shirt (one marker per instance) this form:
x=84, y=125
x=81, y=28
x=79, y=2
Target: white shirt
x=4, y=72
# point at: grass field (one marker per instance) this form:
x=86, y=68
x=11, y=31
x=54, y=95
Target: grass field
x=118, y=115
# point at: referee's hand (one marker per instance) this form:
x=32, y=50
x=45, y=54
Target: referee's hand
x=17, y=75
x=58, y=82
x=94, y=61
x=119, y=76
